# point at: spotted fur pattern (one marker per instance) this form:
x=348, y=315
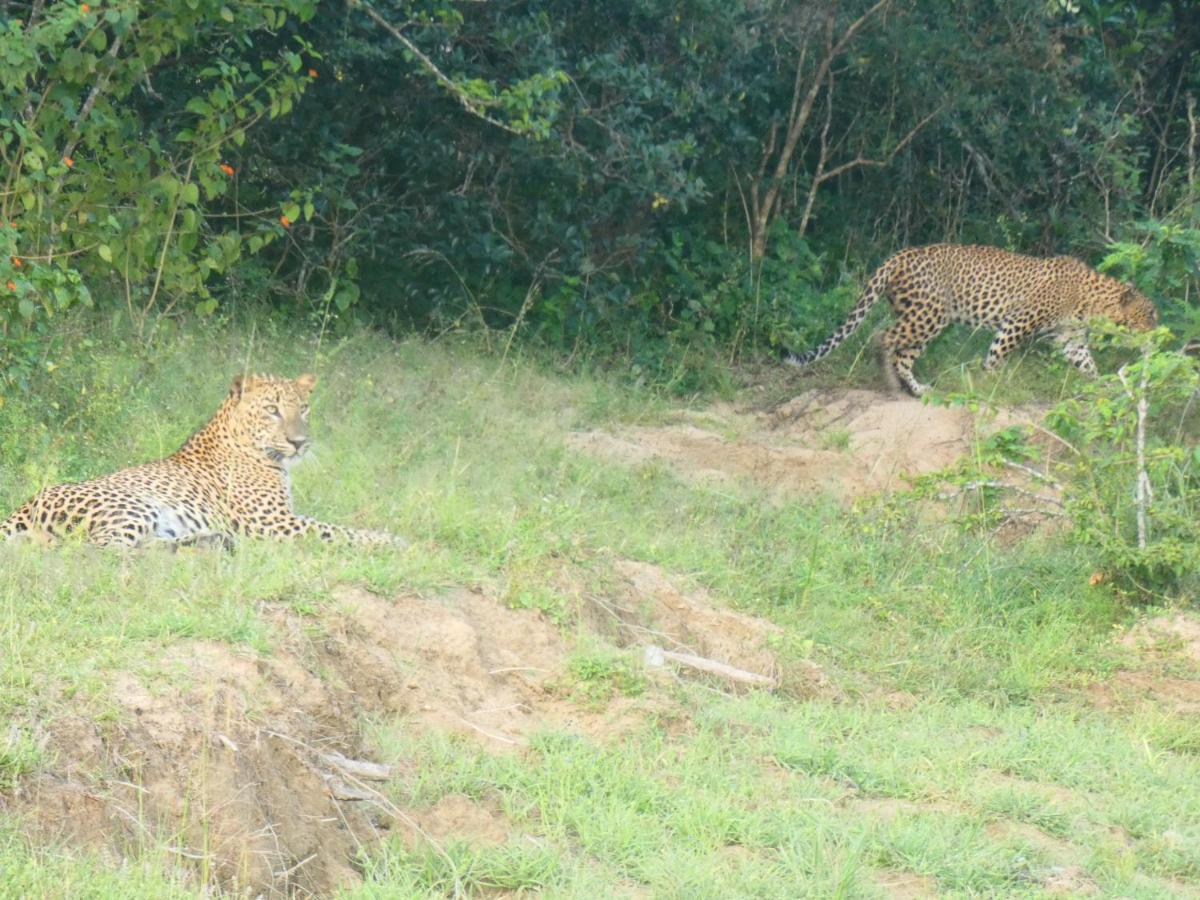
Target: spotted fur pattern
x=1016, y=296
x=228, y=479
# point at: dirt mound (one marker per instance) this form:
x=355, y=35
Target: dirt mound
x=247, y=767
x=461, y=663
x=898, y=885
x=1166, y=636
x=847, y=442
x=251, y=762
x=1166, y=672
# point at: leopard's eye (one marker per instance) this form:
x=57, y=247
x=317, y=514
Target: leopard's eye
x=304, y=411
x=272, y=410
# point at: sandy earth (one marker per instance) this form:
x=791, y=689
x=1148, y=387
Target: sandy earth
x=846, y=442
x=242, y=758
x=1164, y=670
x=253, y=765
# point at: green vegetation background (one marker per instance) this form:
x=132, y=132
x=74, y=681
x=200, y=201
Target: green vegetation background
x=662, y=183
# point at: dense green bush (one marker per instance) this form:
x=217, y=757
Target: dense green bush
x=1132, y=485
x=639, y=176
x=1117, y=460
x=111, y=167
x=624, y=216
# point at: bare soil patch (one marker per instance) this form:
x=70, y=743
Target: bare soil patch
x=1176, y=634
x=899, y=885
x=1166, y=670
x=1126, y=689
x=459, y=818
x=845, y=442
x=889, y=809
x=644, y=605
x=1061, y=873
x=249, y=771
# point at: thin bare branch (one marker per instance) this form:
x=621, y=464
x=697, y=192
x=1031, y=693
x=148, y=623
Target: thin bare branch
x=468, y=103
x=798, y=116
x=863, y=161
x=656, y=656
x=1033, y=473
x=822, y=159
x=1142, y=491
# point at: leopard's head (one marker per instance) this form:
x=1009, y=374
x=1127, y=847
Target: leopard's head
x=270, y=414
x=1136, y=311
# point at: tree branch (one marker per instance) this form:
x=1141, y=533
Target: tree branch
x=863, y=161
x=97, y=89
x=798, y=116
x=468, y=103
x=822, y=158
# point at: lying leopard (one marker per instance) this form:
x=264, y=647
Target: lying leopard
x=228, y=479
x=1018, y=296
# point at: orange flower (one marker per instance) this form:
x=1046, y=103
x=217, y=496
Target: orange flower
x=16, y=261
x=12, y=224
x=68, y=162
x=227, y=168
x=312, y=73
x=12, y=285
x=1097, y=578
x=285, y=221
x=83, y=7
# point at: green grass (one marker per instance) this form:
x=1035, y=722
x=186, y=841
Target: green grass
x=30, y=872
x=957, y=660
x=790, y=788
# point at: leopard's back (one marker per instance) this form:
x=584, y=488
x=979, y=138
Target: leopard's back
x=1018, y=296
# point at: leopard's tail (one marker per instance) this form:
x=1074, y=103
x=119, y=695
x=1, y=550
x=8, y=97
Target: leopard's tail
x=874, y=290
x=8, y=528
x=16, y=524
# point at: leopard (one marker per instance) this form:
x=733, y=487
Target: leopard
x=1017, y=296
x=230, y=479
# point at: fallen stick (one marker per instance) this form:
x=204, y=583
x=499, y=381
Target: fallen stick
x=370, y=771
x=656, y=656
x=340, y=790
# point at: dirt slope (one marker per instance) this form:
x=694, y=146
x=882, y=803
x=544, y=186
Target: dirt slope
x=247, y=767
x=846, y=442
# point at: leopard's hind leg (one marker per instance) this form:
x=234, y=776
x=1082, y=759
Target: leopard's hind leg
x=904, y=342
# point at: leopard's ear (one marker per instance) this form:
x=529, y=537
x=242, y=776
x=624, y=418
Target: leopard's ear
x=304, y=384
x=239, y=384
